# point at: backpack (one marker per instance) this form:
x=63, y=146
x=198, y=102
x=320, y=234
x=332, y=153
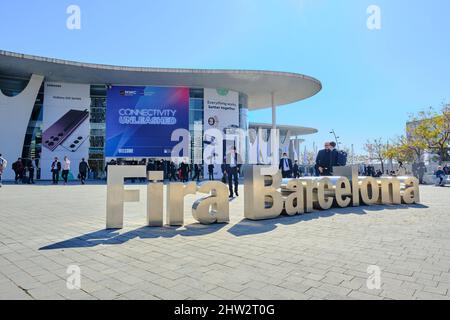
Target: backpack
x=341, y=158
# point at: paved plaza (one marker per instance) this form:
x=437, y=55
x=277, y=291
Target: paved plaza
x=322, y=255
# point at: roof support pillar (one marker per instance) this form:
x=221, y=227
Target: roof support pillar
x=274, y=111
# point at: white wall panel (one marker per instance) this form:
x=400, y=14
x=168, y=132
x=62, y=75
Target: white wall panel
x=15, y=113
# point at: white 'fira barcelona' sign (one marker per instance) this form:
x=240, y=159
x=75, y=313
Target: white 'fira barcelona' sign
x=265, y=196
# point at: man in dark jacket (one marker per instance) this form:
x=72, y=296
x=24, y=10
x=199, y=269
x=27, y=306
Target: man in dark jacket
x=440, y=177
x=334, y=156
x=83, y=169
x=18, y=169
x=296, y=170
x=184, y=171
x=56, y=169
x=172, y=171
x=326, y=159
x=196, y=172
x=31, y=172
x=211, y=172
x=285, y=166
x=233, y=163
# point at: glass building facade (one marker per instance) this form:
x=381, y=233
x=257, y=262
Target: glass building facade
x=32, y=148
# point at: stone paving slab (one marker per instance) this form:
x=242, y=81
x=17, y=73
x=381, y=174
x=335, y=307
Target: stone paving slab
x=322, y=255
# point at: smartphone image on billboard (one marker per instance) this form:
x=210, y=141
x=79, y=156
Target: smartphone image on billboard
x=58, y=132
x=76, y=139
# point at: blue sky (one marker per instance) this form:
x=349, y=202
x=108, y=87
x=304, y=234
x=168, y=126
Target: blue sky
x=372, y=79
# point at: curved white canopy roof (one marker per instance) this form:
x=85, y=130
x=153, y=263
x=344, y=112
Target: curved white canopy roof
x=295, y=130
x=257, y=85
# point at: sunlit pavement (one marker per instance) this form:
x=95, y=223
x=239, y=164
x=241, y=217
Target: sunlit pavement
x=322, y=255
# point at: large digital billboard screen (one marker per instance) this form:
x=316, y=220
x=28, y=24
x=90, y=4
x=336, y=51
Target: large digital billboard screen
x=140, y=120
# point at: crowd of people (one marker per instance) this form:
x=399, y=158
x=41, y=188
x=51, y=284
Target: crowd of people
x=182, y=172
x=24, y=170
x=370, y=171
x=185, y=172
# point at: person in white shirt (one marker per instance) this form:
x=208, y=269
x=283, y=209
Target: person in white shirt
x=66, y=169
x=3, y=163
x=401, y=169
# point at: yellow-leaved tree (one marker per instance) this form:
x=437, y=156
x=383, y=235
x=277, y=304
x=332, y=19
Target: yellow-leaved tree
x=430, y=131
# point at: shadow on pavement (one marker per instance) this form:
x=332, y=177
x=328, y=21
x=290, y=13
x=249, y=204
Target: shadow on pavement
x=113, y=236
x=243, y=228
x=248, y=227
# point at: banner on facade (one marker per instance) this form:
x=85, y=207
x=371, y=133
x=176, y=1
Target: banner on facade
x=221, y=112
x=65, y=125
x=140, y=120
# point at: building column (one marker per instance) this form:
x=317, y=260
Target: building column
x=15, y=113
x=274, y=111
x=258, y=148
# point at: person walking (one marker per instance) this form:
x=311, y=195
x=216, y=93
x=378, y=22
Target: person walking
x=233, y=163
x=3, y=164
x=172, y=171
x=31, y=172
x=18, y=169
x=83, y=169
x=56, y=169
x=421, y=170
x=223, y=169
x=66, y=169
x=296, y=170
x=196, y=173
x=184, y=171
x=285, y=166
x=440, y=176
x=211, y=172
x=37, y=167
